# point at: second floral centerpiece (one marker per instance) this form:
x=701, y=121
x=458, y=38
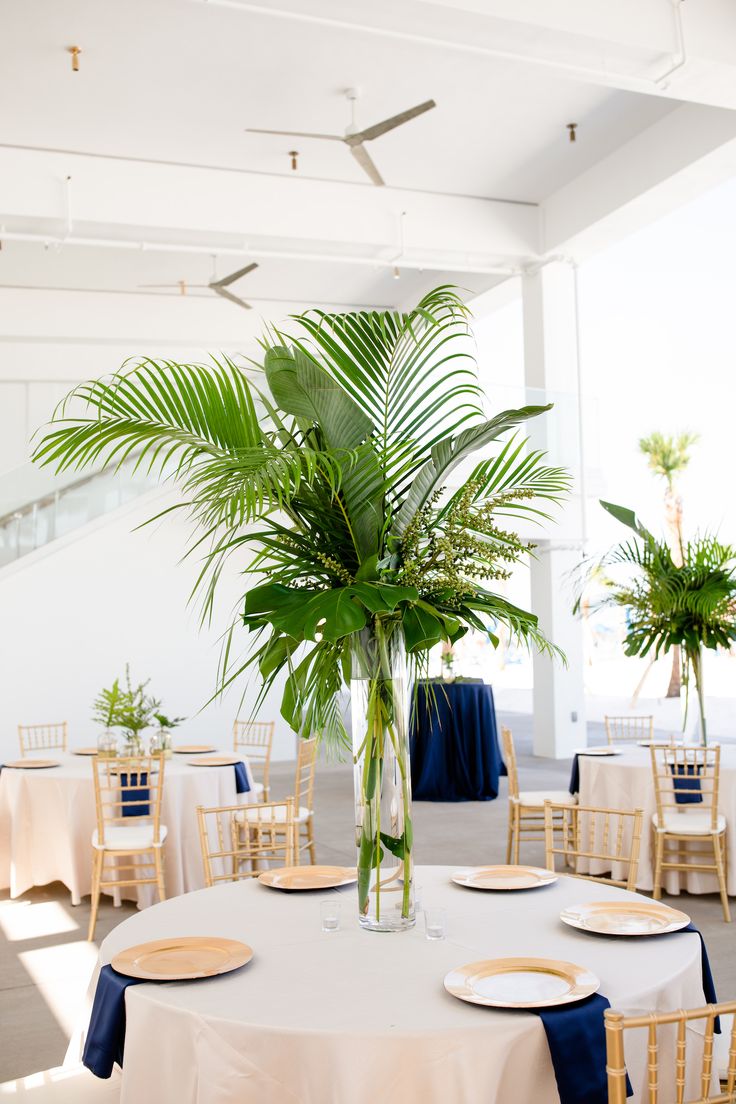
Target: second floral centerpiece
x=343, y=484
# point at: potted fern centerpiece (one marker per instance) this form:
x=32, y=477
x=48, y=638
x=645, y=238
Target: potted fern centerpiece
x=341, y=483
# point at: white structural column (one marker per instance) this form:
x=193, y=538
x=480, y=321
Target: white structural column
x=551, y=375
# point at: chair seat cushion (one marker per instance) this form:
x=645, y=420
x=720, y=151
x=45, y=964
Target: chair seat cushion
x=689, y=824
x=256, y=789
x=537, y=798
x=277, y=815
x=119, y=837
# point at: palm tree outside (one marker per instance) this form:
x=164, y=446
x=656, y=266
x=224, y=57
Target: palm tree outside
x=668, y=456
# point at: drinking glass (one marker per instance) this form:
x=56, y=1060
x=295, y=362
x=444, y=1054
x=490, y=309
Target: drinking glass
x=435, y=923
x=330, y=915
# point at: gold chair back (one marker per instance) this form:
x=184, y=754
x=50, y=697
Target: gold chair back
x=622, y=730
x=595, y=835
x=509, y=754
x=128, y=792
x=255, y=740
x=306, y=763
x=701, y=765
x=710, y=1092
x=42, y=737
x=234, y=849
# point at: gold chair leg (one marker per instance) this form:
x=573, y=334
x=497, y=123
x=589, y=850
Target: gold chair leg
x=517, y=834
x=310, y=838
x=97, y=860
x=158, y=859
x=721, y=878
x=510, y=835
x=658, y=860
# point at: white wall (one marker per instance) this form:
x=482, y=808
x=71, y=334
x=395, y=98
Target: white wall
x=74, y=613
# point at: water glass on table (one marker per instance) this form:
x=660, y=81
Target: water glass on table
x=329, y=911
x=435, y=923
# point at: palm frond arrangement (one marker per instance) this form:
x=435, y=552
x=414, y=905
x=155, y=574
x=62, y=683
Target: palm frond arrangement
x=342, y=462
x=343, y=486
x=691, y=603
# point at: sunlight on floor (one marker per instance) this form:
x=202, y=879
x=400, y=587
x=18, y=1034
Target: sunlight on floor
x=62, y=974
x=24, y=920
x=67, y=1084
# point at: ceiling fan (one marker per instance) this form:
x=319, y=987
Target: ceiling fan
x=218, y=286
x=355, y=138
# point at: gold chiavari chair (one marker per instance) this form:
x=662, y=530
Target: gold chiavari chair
x=609, y=836
x=255, y=739
x=128, y=793
x=686, y=787
x=230, y=854
x=303, y=799
x=42, y=737
x=709, y=1090
x=629, y=729
x=526, y=807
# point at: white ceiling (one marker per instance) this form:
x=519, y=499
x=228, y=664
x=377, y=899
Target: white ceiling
x=180, y=80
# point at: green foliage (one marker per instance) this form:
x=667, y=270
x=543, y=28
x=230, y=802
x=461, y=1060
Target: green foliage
x=692, y=604
x=106, y=706
x=328, y=482
x=137, y=708
x=668, y=455
x=167, y=723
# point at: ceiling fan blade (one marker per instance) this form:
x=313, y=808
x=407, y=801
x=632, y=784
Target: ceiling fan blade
x=361, y=155
x=228, y=295
x=376, y=131
x=295, y=134
x=227, y=280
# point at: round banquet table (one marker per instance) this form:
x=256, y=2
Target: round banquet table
x=624, y=781
x=47, y=818
x=354, y=1017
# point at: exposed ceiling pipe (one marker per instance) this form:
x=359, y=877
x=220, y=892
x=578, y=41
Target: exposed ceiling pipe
x=622, y=80
x=418, y=264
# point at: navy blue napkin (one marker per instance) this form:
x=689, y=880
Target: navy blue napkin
x=686, y=783
x=105, y=1040
x=242, y=785
x=142, y=794
x=575, y=777
x=709, y=987
x=576, y=1036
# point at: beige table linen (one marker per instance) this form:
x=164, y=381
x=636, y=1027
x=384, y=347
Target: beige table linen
x=625, y=781
x=47, y=818
x=357, y=1017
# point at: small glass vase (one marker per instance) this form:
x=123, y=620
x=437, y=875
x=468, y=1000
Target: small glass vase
x=160, y=743
x=380, y=732
x=107, y=744
x=133, y=745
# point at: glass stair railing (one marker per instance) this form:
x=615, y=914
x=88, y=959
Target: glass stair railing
x=37, y=507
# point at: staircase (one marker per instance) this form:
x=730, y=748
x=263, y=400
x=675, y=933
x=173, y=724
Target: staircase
x=37, y=507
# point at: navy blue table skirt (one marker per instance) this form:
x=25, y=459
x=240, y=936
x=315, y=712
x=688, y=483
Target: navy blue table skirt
x=454, y=743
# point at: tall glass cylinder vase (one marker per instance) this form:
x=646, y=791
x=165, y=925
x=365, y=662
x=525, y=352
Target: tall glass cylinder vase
x=383, y=832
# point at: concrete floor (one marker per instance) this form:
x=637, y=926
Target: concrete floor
x=46, y=963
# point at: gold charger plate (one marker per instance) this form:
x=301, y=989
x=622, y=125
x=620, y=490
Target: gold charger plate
x=216, y=761
x=84, y=751
x=308, y=877
x=521, y=983
x=625, y=917
x=598, y=751
x=182, y=957
x=193, y=749
x=504, y=877
x=33, y=764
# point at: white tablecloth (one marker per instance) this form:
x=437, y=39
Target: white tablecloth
x=47, y=818
x=625, y=782
x=357, y=1017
